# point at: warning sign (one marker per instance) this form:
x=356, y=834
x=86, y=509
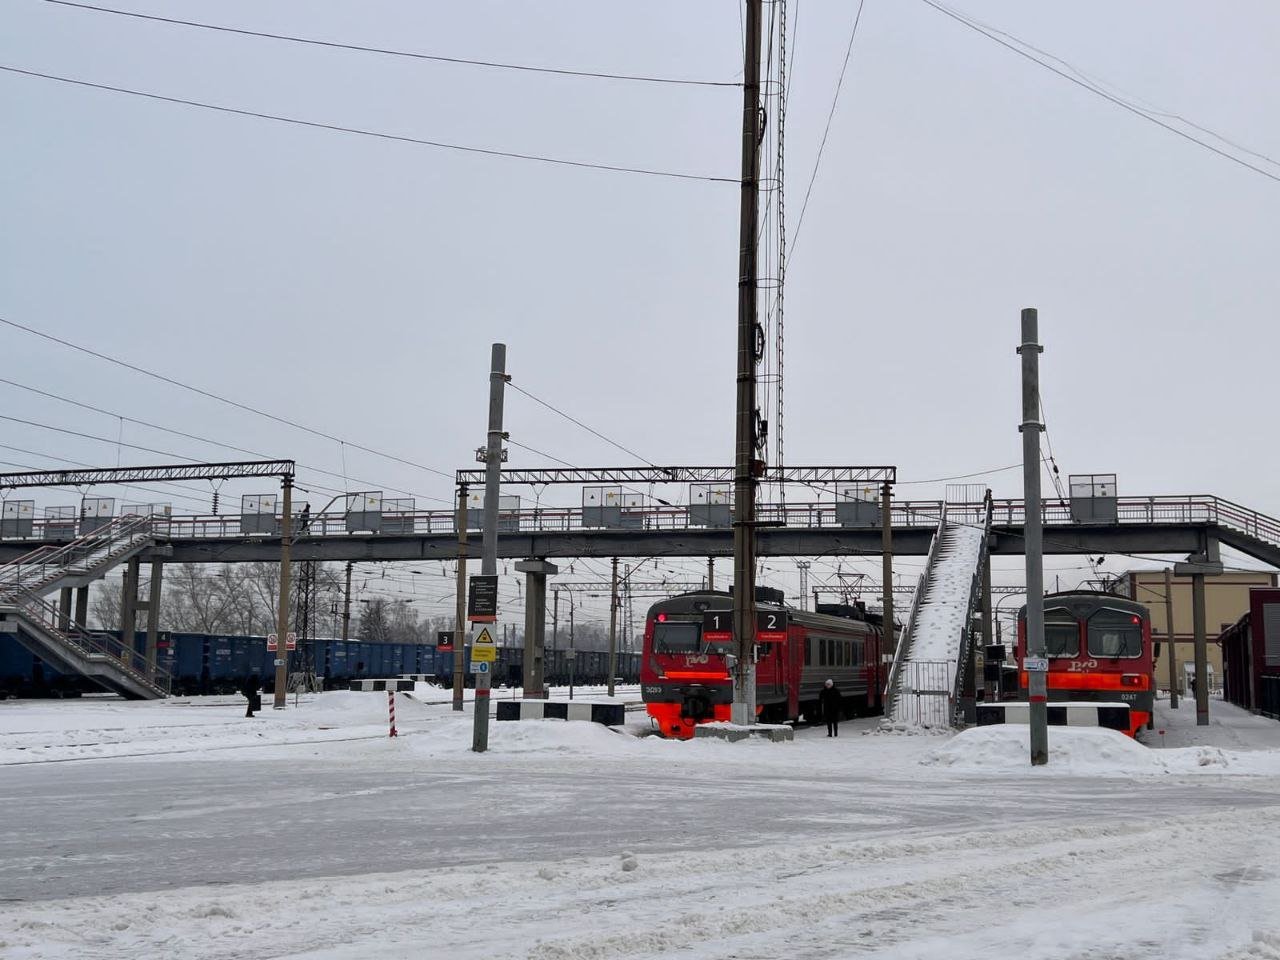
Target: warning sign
x=483, y=649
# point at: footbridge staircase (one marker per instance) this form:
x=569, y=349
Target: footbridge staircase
x=924, y=681
x=51, y=633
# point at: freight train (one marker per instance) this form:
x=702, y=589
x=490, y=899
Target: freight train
x=201, y=663
x=1099, y=649
x=685, y=676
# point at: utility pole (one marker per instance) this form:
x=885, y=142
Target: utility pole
x=613, y=627
x=711, y=573
x=1037, y=679
x=745, y=462
x=489, y=553
x=555, y=621
x=886, y=567
x=282, y=609
x=803, y=567
x=573, y=650
x=460, y=603
x=346, y=604
x=1169, y=635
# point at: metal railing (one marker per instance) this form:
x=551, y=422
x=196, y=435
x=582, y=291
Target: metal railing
x=91, y=644
x=1198, y=509
x=901, y=653
x=975, y=594
x=92, y=551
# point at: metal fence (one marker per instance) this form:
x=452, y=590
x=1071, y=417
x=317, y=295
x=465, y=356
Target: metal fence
x=925, y=693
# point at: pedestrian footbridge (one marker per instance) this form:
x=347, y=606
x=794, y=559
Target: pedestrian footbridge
x=51, y=632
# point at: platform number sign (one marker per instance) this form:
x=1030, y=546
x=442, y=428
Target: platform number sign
x=444, y=641
x=717, y=626
x=771, y=626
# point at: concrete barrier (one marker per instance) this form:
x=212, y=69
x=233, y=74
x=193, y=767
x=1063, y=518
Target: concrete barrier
x=372, y=685
x=610, y=714
x=1112, y=716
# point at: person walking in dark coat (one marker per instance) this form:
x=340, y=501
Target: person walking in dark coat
x=250, y=691
x=832, y=704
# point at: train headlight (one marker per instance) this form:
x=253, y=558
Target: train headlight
x=1131, y=680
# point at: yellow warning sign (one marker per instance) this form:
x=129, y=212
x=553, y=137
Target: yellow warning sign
x=483, y=649
x=485, y=637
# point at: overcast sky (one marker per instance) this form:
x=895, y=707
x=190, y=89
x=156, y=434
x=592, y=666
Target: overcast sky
x=355, y=284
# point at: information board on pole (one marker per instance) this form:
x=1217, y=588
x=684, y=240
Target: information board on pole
x=717, y=626
x=482, y=598
x=444, y=641
x=483, y=649
x=771, y=626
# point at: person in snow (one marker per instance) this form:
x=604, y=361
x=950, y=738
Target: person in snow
x=832, y=704
x=250, y=690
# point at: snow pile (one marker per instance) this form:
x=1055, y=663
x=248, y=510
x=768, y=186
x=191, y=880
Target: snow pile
x=1089, y=751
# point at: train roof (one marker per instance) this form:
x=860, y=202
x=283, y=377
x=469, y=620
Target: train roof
x=698, y=601
x=1085, y=602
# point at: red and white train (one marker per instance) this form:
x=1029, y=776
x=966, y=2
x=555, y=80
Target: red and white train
x=1099, y=649
x=684, y=669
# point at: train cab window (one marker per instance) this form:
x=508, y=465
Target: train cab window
x=1114, y=634
x=1061, y=633
x=676, y=637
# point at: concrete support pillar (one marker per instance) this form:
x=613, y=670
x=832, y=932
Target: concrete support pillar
x=1202, y=650
x=64, y=609
x=153, y=616
x=535, y=623
x=129, y=611
x=82, y=606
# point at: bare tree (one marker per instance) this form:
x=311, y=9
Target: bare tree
x=374, y=627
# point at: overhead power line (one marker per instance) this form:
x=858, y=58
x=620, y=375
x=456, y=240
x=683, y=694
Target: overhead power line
x=213, y=396
x=335, y=45
x=199, y=439
x=359, y=131
x=835, y=99
x=1022, y=49
x=575, y=420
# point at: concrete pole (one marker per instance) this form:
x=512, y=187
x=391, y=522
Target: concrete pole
x=886, y=566
x=555, y=621
x=492, y=491
x=711, y=573
x=346, y=604
x=613, y=626
x=744, y=482
x=1037, y=680
x=460, y=603
x=1169, y=635
x=153, y=616
x=1202, y=650
x=282, y=609
x=572, y=647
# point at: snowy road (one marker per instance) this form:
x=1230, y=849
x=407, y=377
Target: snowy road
x=118, y=827
x=568, y=842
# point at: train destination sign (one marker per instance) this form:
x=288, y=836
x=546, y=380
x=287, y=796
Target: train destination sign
x=482, y=599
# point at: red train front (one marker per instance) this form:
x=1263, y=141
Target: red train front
x=685, y=677
x=1099, y=649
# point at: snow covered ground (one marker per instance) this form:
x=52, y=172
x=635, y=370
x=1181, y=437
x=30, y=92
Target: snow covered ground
x=307, y=833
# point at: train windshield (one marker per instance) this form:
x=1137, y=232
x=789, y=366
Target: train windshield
x=674, y=637
x=1114, y=634
x=1061, y=633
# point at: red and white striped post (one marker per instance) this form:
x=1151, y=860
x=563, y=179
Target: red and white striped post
x=391, y=708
